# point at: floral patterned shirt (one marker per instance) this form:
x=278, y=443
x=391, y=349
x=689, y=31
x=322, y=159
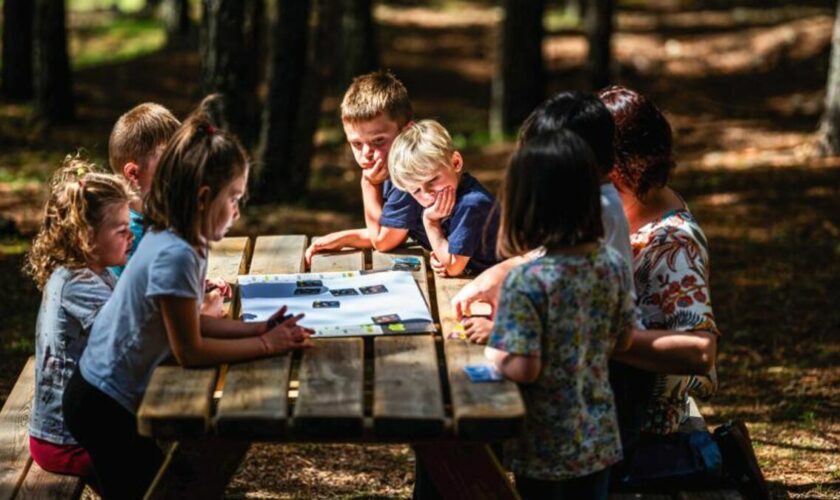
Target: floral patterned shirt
x=569, y=310
x=671, y=274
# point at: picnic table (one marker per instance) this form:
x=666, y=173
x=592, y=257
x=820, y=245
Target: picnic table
x=404, y=388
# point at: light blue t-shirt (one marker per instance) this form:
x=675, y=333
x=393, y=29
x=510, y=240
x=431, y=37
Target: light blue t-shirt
x=69, y=304
x=135, y=224
x=128, y=340
x=616, y=228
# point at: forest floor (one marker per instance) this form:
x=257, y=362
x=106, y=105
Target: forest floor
x=743, y=88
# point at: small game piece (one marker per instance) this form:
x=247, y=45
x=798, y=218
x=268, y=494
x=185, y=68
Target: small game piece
x=307, y=291
x=458, y=332
x=483, y=373
x=386, y=319
x=326, y=304
x=341, y=292
x=370, y=290
x=396, y=327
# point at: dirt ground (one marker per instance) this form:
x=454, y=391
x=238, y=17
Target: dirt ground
x=743, y=88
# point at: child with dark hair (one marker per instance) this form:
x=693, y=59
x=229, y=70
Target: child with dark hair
x=559, y=318
x=154, y=310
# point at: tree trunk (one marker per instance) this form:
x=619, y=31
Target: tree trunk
x=288, y=34
x=599, y=28
x=53, y=79
x=17, y=48
x=321, y=69
x=255, y=50
x=225, y=62
x=519, y=83
x=176, y=17
x=358, y=40
x=829, y=132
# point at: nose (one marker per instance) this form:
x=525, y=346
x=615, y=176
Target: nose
x=367, y=151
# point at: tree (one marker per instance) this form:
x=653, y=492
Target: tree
x=360, y=52
x=53, y=79
x=599, y=28
x=519, y=82
x=829, y=132
x=17, y=48
x=225, y=62
x=176, y=17
x=288, y=43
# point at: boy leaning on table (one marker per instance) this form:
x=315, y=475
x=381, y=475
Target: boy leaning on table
x=375, y=109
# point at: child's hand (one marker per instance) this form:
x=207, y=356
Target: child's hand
x=212, y=304
x=211, y=284
x=437, y=266
x=442, y=207
x=286, y=334
x=377, y=174
x=322, y=244
x=478, y=329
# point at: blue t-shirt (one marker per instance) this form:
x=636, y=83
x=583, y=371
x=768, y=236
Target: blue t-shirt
x=128, y=339
x=136, y=225
x=401, y=211
x=473, y=225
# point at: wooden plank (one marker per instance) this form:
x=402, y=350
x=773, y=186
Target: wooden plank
x=254, y=401
x=177, y=402
x=384, y=260
x=330, y=398
x=42, y=485
x=228, y=259
x=407, y=396
x=348, y=260
x=485, y=412
x=278, y=254
x=14, y=435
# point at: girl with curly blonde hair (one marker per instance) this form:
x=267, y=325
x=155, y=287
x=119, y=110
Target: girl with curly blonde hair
x=85, y=229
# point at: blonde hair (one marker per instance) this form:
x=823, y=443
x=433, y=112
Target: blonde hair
x=199, y=154
x=80, y=197
x=418, y=153
x=138, y=133
x=373, y=94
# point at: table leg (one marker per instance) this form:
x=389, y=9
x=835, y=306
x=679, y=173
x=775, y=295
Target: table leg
x=198, y=469
x=458, y=471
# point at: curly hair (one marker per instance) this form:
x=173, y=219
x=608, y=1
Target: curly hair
x=643, y=141
x=80, y=197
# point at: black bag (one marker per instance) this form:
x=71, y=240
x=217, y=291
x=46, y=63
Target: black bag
x=739, y=463
x=666, y=462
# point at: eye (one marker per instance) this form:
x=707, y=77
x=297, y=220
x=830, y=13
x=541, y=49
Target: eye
x=356, y=145
x=378, y=142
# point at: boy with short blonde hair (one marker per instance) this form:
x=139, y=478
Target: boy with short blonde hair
x=459, y=218
x=374, y=110
x=134, y=148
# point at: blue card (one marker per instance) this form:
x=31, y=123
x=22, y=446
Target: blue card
x=483, y=373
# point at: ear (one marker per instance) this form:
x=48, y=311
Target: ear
x=131, y=171
x=407, y=125
x=457, y=161
x=203, y=197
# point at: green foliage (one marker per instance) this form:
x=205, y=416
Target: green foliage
x=114, y=40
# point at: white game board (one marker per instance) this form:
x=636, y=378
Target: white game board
x=367, y=301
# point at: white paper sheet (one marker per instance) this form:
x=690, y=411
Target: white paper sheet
x=359, y=314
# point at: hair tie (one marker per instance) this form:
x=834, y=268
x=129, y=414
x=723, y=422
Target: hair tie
x=211, y=129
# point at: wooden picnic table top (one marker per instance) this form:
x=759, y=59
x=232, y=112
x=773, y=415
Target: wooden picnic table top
x=394, y=388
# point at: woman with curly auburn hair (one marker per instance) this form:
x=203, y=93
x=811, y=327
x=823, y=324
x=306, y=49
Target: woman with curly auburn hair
x=674, y=356
x=85, y=229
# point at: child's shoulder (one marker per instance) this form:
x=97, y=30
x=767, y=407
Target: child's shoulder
x=471, y=193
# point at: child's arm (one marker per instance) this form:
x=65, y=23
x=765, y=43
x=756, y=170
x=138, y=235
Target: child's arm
x=485, y=287
x=382, y=238
x=353, y=238
x=522, y=369
x=190, y=348
x=447, y=264
x=672, y=352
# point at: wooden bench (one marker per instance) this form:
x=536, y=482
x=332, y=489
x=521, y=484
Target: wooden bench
x=20, y=476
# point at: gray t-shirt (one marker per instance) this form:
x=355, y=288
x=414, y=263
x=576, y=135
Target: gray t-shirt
x=70, y=302
x=128, y=340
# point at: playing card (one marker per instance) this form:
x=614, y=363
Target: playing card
x=340, y=292
x=405, y=264
x=369, y=290
x=307, y=291
x=326, y=304
x=310, y=283
x=483, y=373
x=385, y=319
